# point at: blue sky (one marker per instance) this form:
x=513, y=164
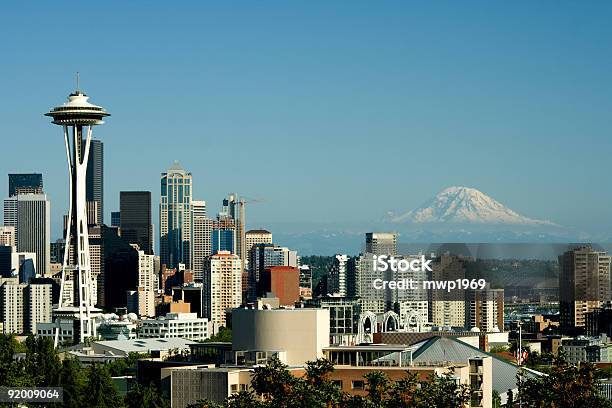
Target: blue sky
x=326, y=112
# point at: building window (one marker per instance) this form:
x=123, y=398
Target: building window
x=337, y=383
x=357, y=385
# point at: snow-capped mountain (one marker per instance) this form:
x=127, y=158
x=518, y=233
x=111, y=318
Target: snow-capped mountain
x=465, y=205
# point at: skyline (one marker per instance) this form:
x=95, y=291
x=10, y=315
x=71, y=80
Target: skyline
x=313, y=104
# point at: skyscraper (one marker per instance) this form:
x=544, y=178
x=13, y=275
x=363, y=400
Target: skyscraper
x=222, y=286
x=175, y=217
x=24, y=183
x=95, y=177
x=116, y=219
x=264, y=256
x=381, y=243
x=584, y=284
x=257, y=236
x=202, y=235
x=234, y=208
x=135, y=221
x=30, y=215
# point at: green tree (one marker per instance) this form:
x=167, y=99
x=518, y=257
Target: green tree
x=377, y=386
x=565, y=386
x=496, y=399
x=145, y=396
x=442, y=391
x=42, y=361
x=274, y=382
x=224, y=336
x=318, y=386
x=12, y=372
x=99, y=389
x=72, y=381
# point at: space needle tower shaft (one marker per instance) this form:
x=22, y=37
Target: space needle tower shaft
x=77, y=118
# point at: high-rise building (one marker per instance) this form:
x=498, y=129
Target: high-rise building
x=175, y=217
x=39, y=305
x=141, y=302
x=485, y=309
x=92, y=213
x=448, y=307
x=224, y=239
x=7, y=236
x=146, y=271
x=25, y=183
x=362, y=278
x=336, y=278
x=95, y=177
x=191, y=294
x=21, y=265
x=234, y=208
x=116, y=219
x=121, y=269
x=136, y=226
x=264, y=256
x=12, y=305
x=202, y=235
x=222, y=286
x=252, y=237
x=257, y=236
x=305, y=282
x=30, y=215
x=381, y=243
x=77, y=117
x=584, y=284
x=282, y=282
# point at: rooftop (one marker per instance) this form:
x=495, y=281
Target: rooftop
x=146, y=345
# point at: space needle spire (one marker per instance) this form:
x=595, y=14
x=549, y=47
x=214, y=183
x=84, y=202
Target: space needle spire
x=77, y=117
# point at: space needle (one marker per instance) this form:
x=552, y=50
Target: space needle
x=77, y=117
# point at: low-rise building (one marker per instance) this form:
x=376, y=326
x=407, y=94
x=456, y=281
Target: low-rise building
x=298, y=334
x=177, y=325
x=156, y=347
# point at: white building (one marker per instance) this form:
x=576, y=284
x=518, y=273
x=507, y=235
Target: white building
x=66, y=331
x=181, y=325
x=222, y=286
x=154, y=346
x=254, y=237
x=12, y=305
x=39, y=305
x=295, y=335
x=23, y=306
x=141, y=301
x=30, y=215
x=7, y=236
x=202, y=238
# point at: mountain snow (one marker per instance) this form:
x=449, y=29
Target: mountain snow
x=464, y=205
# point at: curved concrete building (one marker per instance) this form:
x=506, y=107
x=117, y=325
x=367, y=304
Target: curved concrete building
x=299, y=334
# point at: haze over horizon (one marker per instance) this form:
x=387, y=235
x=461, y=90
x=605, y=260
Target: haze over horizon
x=334, y=114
